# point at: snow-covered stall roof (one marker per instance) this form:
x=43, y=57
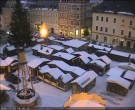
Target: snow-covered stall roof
x=36, y=62
x=98, y=63
x=69, y=50
x=106, y=59
x=61, y=64
x=127, y=66
x=9, y=60
x=3, y=62
x=93, y=57
x=40, y=40
x=56, y=73
x=45, y=69
x=66, y=78
x=74, y=43
x=119, y=80
x=85, y=79
x=82, y=53
x=120, y=53
x=46, y=51
x=85, y=59
x=56, y=47
x=3, y=87
x=64, y=55
x=36, y=47
x=51, y=38
x=129, y=75
x=99, y=47
x=77, y=70
x=10, y=48
x=115, y=71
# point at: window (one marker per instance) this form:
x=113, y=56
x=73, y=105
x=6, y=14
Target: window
x=106, y=29
x=129, y=34
x=101, y=18
x=114, y=20
x=71, y=22
x=97, y=18
x=123, y=21
x=96, y=28
x=106, y=19
x=130, y=22
x=96, y=37
x=114, y=31
x=101, y=28
x=122, y=32
x=105, y=39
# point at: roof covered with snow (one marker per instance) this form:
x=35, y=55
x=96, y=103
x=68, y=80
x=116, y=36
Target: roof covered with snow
x=99, y=47
x=10, y=48
x=129, y=75
x=46, y=51
x=45, y=69
x=56, y=47
x=120, y=53
x=66, y=78
x=51, y=38
x=40, y=40
x=74, y=43
x=106, y=59
x=119, y=80
x=85, y=79
x=9, y=60
x=64, y=55
x=36, y=62
x=69, y=50
x=127, y=66
x=36, y=47
x=98, y=63
x=82, y=53
x=115, y=71
x=85, y=59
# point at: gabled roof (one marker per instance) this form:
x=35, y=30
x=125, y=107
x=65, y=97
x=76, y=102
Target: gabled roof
x=36, y=47
x=70, y=50
x=98, y=63
x=130, y=75
x=106, y=59
x=85, y=79
x=46, y=51
x=127, y=66
x=56, y=47
x=66, y=78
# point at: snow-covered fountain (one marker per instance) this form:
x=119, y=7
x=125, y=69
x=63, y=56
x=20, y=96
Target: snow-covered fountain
x=25, y=96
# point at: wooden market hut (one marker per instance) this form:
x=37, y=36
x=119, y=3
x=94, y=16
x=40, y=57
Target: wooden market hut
x=84, y=83
x=55, y=77
x=118, y=85
x=10, y=50
x=36, y=64
x=63, y=56
x=98, y=66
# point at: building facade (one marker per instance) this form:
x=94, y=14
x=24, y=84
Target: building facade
x=74, y=17
x=1, y=22
x=114, y=26
x=49, y=16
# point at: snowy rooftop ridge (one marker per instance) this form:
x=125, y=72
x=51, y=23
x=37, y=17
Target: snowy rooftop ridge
x=130, y=75
x=106, y=59
x=99, y=63
x=127, y=66
x=120, y=81
x=56, y=47
x=126, y=13
x=70, y=50
x=86, y=78
x=46, y=51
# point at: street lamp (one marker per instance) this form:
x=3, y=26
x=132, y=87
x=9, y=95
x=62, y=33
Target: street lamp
x=43, y=31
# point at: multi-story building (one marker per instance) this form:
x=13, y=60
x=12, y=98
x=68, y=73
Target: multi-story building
x=1, y=22
x=49, y=16
x=114, y=23
x=74, y=17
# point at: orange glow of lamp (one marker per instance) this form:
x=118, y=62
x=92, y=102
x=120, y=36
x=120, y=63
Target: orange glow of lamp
x=43, y=31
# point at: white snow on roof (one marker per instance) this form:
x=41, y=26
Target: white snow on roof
x=45, y=69
x=98, y=63
x=77, y=70
x=66, y=78
x=11, y=48
x=70, y=50
x=129, y=75
x=9, y=60
x=56, y=47
x=82, y=53
x=126, y=13
x=3, y=62
x=74, y=43
x=93, y=56
x=59, y=41
x=85, y=79
x=64, y=55
x=120, y=53
x=46, y=51
x=109, y=11
x=36, y=47
x=40, y=40
x=3, y=87
x=51, y=38
x=127, y=66
x=56, y=73
x=106, y=59
x=115, y=71
x=119, y=80
x=86, y=103
x=84, y=59
x=36, y=62
x=60, y=64
x=99, y=47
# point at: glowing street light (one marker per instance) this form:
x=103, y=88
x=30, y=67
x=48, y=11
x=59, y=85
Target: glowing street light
x=43, y=31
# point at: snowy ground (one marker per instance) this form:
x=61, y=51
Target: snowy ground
x=53, y=97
